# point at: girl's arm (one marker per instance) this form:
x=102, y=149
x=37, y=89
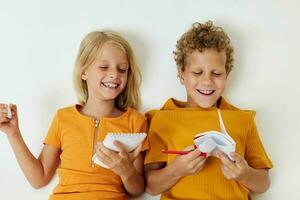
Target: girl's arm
x=161, y=177
x=129, y=166
x=134, y=182
x=37, y=171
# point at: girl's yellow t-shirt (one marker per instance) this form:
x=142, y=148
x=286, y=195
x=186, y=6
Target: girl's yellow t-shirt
x=174, y=127
x=74, y=133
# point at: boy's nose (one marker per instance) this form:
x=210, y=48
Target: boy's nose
x=207, y=79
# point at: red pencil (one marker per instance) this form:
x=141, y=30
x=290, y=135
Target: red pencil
x=181, y=152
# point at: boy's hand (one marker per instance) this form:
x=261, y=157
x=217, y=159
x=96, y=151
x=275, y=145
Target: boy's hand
x=234, y=170
x=7, y=125
x=188, y=164
x=119, y=162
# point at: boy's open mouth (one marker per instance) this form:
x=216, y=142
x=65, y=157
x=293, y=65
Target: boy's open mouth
x=206, y=92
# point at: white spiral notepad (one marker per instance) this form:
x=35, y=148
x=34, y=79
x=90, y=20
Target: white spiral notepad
x=129, y=140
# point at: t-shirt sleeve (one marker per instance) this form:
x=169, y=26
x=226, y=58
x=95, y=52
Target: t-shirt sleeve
x=156, y=145
x=53, y=136
x=255, y=153
x=143, y=128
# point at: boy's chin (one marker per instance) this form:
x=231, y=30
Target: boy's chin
x=206, y=105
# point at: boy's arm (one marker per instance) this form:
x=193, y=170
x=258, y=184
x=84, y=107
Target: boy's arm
x=256, y=180
x=161, y=177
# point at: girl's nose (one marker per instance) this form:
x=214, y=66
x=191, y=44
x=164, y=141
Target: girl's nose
x=113, y=74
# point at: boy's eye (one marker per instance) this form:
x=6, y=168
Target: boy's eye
x=217, y=74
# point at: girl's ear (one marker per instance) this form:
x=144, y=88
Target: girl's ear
x=84, y=76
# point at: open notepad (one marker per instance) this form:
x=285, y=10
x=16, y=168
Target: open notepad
x=211, y=141
x=129, y=140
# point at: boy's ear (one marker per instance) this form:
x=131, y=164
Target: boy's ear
x=181, y=75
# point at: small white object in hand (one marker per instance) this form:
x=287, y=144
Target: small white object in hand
x=9, y=114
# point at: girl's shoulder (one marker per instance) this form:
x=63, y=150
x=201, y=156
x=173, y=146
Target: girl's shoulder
x=69, y=112
x=135, y=114
x=68, y=109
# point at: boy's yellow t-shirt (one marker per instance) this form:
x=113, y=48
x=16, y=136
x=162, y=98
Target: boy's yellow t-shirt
x=174, y=126
x=74, y=134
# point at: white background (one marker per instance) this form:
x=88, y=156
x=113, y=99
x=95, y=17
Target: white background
x=39, y=42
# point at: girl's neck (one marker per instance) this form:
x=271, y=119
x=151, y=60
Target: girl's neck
x=98, y=109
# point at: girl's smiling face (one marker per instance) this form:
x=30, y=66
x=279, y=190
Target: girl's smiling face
x=107, y=77
x=204, y=77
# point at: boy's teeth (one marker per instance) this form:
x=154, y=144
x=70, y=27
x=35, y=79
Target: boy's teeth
x=206, y=91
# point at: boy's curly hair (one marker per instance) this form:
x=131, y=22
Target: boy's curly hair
x=201, y=37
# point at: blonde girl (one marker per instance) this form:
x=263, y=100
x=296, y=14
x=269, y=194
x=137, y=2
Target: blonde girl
x=106, y=80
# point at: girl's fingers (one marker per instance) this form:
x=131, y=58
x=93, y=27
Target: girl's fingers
x=4, y=120
x=106, y=151
x=103, y=157
x=14, y=110
x=120, y=146
x=3, y=106
x=136, y=152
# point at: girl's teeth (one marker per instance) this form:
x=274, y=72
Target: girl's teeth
x=111, y=85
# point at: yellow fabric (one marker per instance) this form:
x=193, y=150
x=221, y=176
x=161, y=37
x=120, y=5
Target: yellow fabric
x=73, y=133
x=174, y=126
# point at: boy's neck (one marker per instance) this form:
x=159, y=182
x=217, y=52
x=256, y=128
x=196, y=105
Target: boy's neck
x=217, y=104
x=98, y=109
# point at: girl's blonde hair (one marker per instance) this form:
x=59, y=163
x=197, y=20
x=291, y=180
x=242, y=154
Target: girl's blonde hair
x=89, y=50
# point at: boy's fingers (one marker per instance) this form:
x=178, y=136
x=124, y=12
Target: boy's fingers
x=226, y=171
x=189, y=148
x=198, y=160
x=239, y=160
x=225, y=160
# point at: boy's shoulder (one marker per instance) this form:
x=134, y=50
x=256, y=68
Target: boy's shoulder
x=179, y=106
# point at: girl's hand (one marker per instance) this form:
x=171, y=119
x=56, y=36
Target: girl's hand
x=234, y=170
x=121, y=162
x=7, y=125
x=188, y=164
